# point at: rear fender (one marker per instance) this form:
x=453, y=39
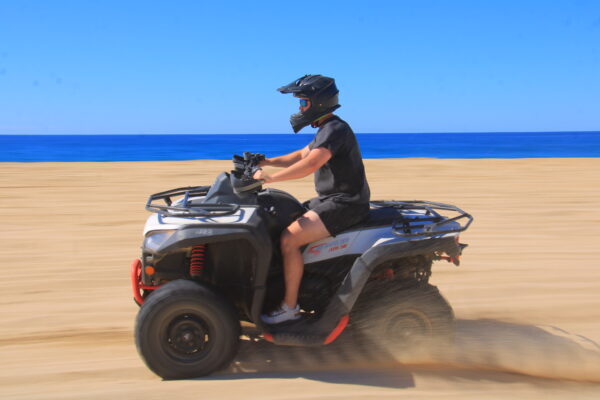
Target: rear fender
x=364, y=265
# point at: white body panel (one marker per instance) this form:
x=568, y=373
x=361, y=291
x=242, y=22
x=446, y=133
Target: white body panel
x=157, y=222
x=356, y=242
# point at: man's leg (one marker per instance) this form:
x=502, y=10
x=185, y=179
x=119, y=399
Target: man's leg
x=304, y=230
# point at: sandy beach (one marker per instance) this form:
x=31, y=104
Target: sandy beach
x=526, y=296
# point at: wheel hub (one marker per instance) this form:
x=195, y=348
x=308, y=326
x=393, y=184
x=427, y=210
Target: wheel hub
x=187, y=334
x=408, y=327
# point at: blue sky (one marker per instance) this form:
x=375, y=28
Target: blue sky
x=128, y=67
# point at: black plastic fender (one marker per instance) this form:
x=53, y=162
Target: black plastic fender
x=363, y=266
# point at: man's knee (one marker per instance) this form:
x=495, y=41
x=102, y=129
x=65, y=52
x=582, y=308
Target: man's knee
x=288, y=242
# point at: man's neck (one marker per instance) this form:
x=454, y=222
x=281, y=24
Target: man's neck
x=319, y=121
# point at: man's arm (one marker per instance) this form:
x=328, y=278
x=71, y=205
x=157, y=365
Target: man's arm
x=286, y=160
x=314, y=160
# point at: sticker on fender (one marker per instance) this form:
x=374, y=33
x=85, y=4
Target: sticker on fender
x=328, y=247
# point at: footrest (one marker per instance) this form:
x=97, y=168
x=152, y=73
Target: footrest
x=295, y=339
x=301, y=333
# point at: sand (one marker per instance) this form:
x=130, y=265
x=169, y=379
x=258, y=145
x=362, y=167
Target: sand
x=526, y=296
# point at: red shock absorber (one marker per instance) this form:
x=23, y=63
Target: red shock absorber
x=197, y=260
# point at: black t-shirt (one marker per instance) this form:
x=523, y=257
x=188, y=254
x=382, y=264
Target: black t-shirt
x=343, y=176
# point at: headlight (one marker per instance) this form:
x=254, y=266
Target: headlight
x=155, y=239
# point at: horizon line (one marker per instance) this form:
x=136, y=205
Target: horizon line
x=289, y=133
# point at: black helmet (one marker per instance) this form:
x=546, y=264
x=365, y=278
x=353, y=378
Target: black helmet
x=323, y=96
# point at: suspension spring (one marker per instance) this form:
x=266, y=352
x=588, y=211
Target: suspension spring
x=197, y=260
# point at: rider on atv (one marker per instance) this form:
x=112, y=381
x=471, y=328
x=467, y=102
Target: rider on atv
x=340, y=181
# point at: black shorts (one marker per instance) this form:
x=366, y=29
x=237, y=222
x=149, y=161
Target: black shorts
x=338, y=216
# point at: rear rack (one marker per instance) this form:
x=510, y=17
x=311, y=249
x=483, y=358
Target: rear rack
x=405, y=226
x=186, y=209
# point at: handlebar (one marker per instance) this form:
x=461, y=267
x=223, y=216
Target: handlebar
x=247, y=164
x=243, y=174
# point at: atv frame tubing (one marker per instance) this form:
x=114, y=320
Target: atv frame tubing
x=185, y=209
x=405, y=227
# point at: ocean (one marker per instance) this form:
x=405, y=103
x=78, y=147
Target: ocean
x=74, y=148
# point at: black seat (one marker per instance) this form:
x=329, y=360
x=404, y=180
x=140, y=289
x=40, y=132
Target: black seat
x=377, y=217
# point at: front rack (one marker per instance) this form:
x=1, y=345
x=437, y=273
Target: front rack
x=428, y=222
x=185, y=208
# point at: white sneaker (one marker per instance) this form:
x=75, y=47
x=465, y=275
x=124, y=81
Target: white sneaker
x=282, y=314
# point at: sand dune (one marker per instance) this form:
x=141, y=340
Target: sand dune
x=526, y=296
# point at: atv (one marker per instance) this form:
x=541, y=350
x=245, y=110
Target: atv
x=211, y=260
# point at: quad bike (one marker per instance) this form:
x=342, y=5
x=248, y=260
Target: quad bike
x=211, y=259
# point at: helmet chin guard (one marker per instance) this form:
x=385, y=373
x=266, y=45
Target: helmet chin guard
x=323, y=95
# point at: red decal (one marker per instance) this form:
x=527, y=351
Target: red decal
x=315, y=250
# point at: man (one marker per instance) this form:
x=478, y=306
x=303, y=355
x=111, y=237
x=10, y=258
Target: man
x=334, y=157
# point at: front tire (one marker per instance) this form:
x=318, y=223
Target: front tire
x=186, y=330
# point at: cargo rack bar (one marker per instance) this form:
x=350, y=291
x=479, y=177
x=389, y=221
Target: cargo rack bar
x=185, y=209
x=432, y=219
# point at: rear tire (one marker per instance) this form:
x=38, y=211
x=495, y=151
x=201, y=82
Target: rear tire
x=186, y=330
x=404, y=318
